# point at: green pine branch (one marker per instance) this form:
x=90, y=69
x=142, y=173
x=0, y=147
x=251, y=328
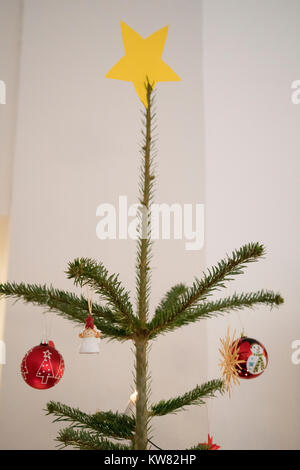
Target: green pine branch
x=66, y=304
x=218, y=307
x=106, y=424
x=83, y=440
x=199, y=447
x=193, y=397
x=87, y=271
x=214, y=279
x=171, y=298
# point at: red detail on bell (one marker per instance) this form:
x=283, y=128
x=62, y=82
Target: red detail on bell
x=42, y=367
x=254, y=356
x=89, y=322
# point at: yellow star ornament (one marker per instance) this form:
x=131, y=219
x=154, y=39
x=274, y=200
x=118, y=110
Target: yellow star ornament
x=142, y=61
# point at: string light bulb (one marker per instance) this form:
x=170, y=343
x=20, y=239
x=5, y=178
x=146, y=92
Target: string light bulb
x=130, y=409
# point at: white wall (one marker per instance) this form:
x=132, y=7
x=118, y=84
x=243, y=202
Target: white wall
x=77, y=146
x=10, y=32
x=251, y=57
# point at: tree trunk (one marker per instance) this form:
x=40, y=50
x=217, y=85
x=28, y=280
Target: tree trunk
x=141, y=434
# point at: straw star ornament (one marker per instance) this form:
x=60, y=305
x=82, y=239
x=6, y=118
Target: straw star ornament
x=230, y=362
x=142, y=61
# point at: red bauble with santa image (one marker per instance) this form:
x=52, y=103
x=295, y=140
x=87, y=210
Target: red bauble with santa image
x=43, y=366
x=253, y=358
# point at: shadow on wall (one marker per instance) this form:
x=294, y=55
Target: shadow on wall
x=4, y=230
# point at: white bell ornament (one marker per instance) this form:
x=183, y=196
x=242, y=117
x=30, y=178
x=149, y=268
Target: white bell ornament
x=90, y=338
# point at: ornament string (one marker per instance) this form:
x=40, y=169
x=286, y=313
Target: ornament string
x=49, y=327
x=241, y=323
x=207, y=416
x=46, y=328
x=89, y=300
x=242, y=327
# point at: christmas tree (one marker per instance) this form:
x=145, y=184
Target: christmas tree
x=45, y=370
x=115, y=316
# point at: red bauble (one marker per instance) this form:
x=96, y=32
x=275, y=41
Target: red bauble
x=43, y=366
x=254, y=358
